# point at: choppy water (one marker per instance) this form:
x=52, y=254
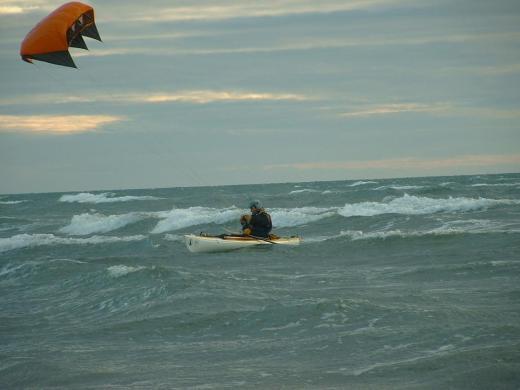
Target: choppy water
x=405, y=283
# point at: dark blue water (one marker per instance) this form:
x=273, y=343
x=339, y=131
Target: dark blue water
x=405, y=283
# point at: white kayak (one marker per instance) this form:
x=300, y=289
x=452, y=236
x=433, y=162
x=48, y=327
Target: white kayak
x=208, y=243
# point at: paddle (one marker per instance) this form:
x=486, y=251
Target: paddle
x=255, y=237
x=263, y=239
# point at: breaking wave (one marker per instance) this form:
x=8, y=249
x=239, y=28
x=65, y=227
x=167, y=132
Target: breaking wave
x=176, y=219
x=361, y=183
x=415, y=205
x=32, y=240
x=106, y=197
x=447, y=229
x=299, y=216
x=302, y=191
x=182, y=218
x=12, y=201
x=86, y=223
x=398, y=188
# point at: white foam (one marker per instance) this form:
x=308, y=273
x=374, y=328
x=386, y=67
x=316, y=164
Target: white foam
x=12, y=201
x=361, y=183
x=86, y=223
x=32, y=240
x=445, y=230
x=182, y=218
x=415, y=205
x=299, y=216
x=106, y=197
x=283, y=327
x=302, y=191
x=116, y=271
x=496, y=185
x=10, y=268
x=174, y=237
x=398, y=188
x=469, y=226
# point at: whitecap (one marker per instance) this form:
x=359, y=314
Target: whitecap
x=174, y=237
x=106, y=197
x=84, y=224
x=415, y=205
x=398, y=188
x=444, y=230
x=299, y=216
x=6, y=202
x=302, y=191
x=31, y=240
x=116, y=271
x=182, y=218
x=361, y=183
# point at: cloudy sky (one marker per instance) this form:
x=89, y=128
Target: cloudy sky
x=228, y=92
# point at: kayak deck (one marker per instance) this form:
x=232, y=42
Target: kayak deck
x=209, y=243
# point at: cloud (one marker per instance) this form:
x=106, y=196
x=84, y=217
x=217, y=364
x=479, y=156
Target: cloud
x=395, y=109
x=439, y=108
x=404, y=163
x=12, y=7
x=309, y=43
x=233, y=10
x=203, y=97
x=54, y=124
x=9, y=10
x=208, y=11
x=190, y=96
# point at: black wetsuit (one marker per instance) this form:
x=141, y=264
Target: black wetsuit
x=260, y=224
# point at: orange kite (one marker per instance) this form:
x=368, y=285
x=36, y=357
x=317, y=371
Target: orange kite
x=50, y=39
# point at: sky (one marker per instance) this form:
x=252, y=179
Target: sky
x=191, y=93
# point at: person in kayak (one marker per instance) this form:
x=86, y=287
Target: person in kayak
x=259, y=223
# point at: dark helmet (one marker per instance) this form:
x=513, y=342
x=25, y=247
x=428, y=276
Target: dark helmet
x=256, y=204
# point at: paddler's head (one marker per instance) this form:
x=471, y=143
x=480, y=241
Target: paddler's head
x=255, y=206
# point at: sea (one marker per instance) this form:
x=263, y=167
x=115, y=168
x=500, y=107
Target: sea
x=410, y=283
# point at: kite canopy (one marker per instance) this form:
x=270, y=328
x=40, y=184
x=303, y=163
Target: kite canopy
x=50, y=39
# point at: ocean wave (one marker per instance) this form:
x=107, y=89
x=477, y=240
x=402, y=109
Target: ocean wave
x=457, y=227
x=416, y=205
x=174, y=237
x=496, y=185
x=84, y=224
x=302, y=191
x=176, y=219
x=31, y=240
x=182, y=218
x=299, y=216
x=361, y=183
x=398, y=188
x=106, y=197
x=117, y=271
x=9, y=269
x=6, y=202
x=441, y=231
